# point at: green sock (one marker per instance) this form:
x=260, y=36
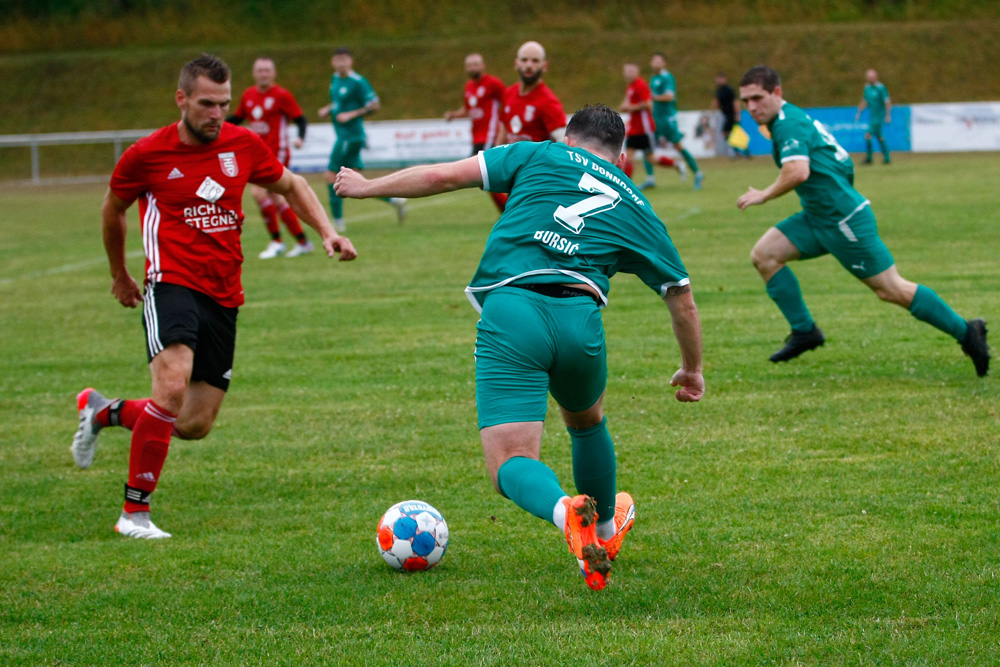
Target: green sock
x=885, y=148
x=336, y=203
x=868, y=150
x=928, y=307
x=531, y=485
x=783, y=288
x=594, y=466
x=690, y=160
x=647, y=165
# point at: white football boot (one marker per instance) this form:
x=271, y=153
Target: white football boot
x=399, y=203
x=88, y=402
x=300, y=249
x=273, y=249
x=139, y=526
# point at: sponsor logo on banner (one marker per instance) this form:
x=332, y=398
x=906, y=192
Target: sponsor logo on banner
x=229, y=166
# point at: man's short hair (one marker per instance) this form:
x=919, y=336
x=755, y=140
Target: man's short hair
x=342, y=51
x=600, y=125
x=205, y=65
x=763, y=76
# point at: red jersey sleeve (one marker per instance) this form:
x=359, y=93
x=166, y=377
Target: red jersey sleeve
x=290, y=107
x=553, y=115
x=497, y=89
x=241, y=109
x=267, y=169
x=128, y=180
x=642, y=91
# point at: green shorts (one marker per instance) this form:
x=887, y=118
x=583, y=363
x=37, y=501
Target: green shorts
x=854, y=241
x=527, y=345
x=874, y=129
x=346, y=153
x=667, y=129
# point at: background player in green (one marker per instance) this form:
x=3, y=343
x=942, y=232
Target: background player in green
x=876, y=100
x=836, y=219
x=665, y=112
x=351, y=99
x=572, y=221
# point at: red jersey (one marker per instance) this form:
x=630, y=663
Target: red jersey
x=190, y=205
x=531, y=117
x=483, y=97
x=269, y=112
x=640, y=122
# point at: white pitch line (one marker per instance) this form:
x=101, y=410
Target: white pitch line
x=63, y=269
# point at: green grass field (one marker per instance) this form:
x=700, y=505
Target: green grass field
x=839, y=509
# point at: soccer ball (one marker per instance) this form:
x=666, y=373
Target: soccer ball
x=412, y=536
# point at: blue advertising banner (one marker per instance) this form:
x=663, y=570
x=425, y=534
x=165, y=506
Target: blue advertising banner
x=840, y=122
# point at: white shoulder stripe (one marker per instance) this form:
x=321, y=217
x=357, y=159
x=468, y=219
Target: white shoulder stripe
x=484, y=172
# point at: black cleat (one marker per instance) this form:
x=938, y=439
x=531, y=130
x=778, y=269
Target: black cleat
x=798, y=342
x=975, y=346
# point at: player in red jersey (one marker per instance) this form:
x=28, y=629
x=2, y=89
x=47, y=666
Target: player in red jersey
x=641, y=129
x=531, y=111
x=189, y=179
x=269, y=108
x=483, y=96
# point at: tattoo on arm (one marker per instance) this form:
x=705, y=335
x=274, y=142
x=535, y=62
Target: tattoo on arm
x=677, y=290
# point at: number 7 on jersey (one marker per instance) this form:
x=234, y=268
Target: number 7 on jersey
x=571, y=217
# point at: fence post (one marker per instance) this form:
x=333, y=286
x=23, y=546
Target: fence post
x=36, y=177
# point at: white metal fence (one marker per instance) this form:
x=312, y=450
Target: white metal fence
x=117, y=138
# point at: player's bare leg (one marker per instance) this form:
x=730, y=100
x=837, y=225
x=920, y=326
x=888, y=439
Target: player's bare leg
x=770, y=256
x=924, y=304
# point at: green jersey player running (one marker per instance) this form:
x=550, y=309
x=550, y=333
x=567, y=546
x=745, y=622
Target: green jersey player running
x=664, y=89
x=573, y=220
x=351, y=99
x=836, y=219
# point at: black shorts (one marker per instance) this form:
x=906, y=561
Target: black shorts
x=178, y=314
x=639, y=142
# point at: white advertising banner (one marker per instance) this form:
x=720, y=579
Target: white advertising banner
x=399, y=143
x=966, y=126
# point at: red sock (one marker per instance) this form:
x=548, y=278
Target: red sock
x=122, y=413
x=270, y=213
x=665, y=161
x=500, y=199
x=291, y=220
x=629, y=168
x=150, y=442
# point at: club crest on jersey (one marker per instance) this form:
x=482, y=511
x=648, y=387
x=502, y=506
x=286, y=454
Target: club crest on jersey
x=210, y=190
x=229, y=165
x=529, y=113
x=268, y=103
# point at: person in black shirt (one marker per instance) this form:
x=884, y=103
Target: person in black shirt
x=727, y=102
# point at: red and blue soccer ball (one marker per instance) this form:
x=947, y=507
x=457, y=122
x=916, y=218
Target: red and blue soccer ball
x=412, y=536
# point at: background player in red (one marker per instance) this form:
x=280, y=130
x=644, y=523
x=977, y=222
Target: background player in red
x=640, y=130
x=531, y=111
x=189, y=179
x=483, y=97
x=269, y=108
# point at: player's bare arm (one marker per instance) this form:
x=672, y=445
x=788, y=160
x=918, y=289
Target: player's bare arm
x=456, y=113
x=793, y=173
x=687, y=330
x=123, y=286
x=306, y=205
x=421, y=181
x=371, y=107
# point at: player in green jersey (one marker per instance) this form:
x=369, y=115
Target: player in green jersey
x=665, y=112
x=351, y=99
x=876, y=100
x=573, y=220
x=836, y=219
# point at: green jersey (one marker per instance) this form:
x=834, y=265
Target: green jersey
x=829, y=191
x=572, y=217
x=660, y=84
x=876, y=95
x=349, y=93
